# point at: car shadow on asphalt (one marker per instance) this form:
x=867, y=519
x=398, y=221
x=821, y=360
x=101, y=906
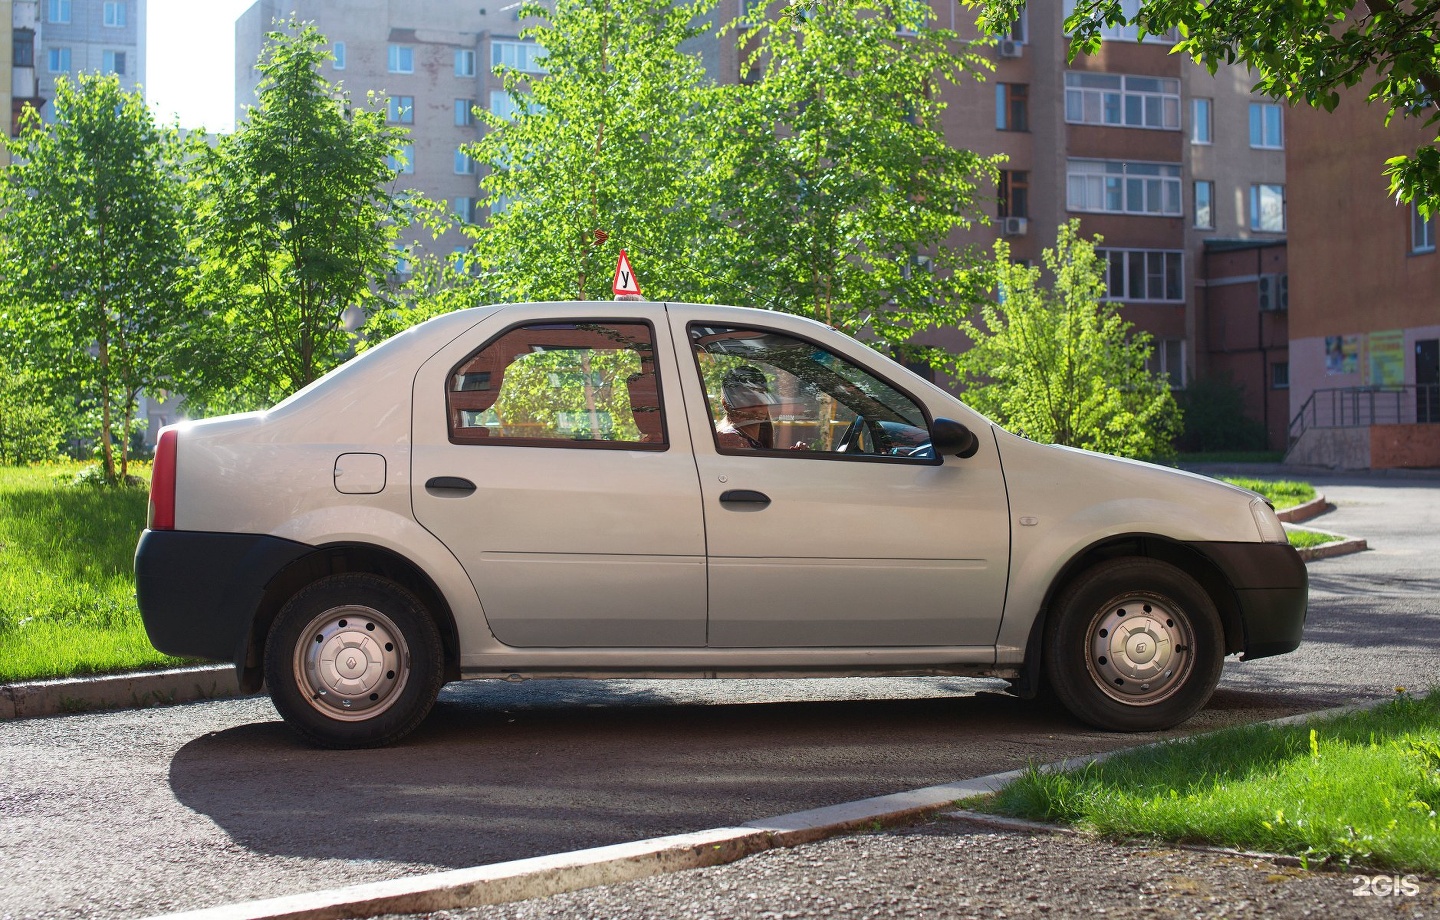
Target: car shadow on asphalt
x=490, y=779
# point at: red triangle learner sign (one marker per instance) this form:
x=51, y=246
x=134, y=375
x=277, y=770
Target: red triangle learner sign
x=625, y=280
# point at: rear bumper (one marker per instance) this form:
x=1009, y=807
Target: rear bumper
x=1272, y=588
x=198, y=592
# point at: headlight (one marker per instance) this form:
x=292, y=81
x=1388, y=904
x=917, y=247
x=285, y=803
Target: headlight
x=1271, y=530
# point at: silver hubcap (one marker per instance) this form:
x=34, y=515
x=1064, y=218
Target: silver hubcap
x=351, y=663
x=1139, y=649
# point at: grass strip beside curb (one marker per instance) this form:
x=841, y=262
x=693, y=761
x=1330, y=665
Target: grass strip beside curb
x=1358, y=789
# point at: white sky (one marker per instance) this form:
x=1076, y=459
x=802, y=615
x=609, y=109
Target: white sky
x=190, y=61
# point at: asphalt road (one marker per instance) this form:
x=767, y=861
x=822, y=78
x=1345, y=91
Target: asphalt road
x=131, y=813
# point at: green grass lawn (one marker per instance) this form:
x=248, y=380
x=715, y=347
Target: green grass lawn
x=1304, y=539
x=67, y=590
x=1282, y=493
x=1362, y=789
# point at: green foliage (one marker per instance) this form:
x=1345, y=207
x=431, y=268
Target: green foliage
x=1301, y=538
x=1282, y=493
x=1302, y=52
x=1059, y=365
x=92, y=254
x=1215, y=418
x=296, y=221
x=609, y=139
x=1363, y=789
x=30, y=428
x=838, y=183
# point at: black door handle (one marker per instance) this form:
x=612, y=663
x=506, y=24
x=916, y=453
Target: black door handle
x=450, y=484
x=745, y=496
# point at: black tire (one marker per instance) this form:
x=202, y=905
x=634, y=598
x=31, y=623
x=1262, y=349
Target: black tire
x=386, y=683
x=1134, y=645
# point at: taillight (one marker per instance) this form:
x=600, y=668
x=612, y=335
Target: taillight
x=162, y=483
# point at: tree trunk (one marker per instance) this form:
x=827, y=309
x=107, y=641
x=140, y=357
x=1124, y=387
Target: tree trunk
x=107, y=448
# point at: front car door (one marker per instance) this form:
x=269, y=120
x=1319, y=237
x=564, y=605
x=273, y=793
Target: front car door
x=551, y=456
x=831, y=523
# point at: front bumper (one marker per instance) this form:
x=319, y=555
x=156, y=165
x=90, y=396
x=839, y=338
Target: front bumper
x=1272, y=588
x=198, y=592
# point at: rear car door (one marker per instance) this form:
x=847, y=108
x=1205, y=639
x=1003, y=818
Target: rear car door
x=551, y=456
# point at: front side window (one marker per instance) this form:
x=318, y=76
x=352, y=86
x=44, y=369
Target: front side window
x=1267, y=208
x=1122, y=100
x=402, y=59
x=59, y=11
x=1422, y=231
x=768, y=391
x=1144, y=274
x=1266, y=126
x=1116, y=187
x=114, y=13
x=577, y=384
x=527, y=57
x=402, y=110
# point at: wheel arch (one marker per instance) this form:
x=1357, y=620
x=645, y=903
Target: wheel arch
x=1184, y=557
x=336, y=559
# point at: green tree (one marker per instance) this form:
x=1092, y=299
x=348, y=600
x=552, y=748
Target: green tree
x=842, y=190
x=92, y=253
x=297, y=220
x=1303, y=52
x=605, y=150
x=30, y=427
x=1060, y=366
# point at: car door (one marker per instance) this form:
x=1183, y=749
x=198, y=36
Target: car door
x=827, y=531
x=552, y=458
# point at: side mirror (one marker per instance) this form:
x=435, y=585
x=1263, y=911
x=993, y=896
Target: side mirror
x=948, y=436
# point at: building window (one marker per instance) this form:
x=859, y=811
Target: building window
x=1118, y=99
x=402, y=59
x=1201, y=123
x=464, y=63
x=502, y=104
x=1127, y=33
x=114, y=14
x=402, y=260
x=59, y=12
x=464, y=112
x=527, y=57
x=1118, y=187
x=1422, y=231
x=1144, y=274
x=464, y=166
x=59, y=60
x=404, y=160
x=1168, y=360
x=1280, y=375
x=339, y=55
x=402, y=110
x=1205, y=205
x=1019, y=29
x=457, y=259
x=463, y=209
x=1267, y=208
x=113, y=62
x=1014, y=193
x=1267, y=130
x=1012, y=107
x=23, y=45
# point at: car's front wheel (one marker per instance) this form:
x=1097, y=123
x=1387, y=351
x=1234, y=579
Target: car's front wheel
x=353, y=660
x=1134, y=645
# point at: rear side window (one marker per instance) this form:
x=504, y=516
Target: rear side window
x=581, y=384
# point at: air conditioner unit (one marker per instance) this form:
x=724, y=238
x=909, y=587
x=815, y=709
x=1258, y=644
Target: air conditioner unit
x=1274, y=292
x=1011, y=49
x=1014, y=226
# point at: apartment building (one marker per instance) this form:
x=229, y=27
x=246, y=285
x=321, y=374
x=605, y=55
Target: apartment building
x=1364, y=289
x=432, y=59
x=8, y=46
x=87, y=36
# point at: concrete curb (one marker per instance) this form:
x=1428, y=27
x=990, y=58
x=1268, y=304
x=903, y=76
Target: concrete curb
x=541, y=876
x=1340, y=545
x=1304, y=512
x=131, y=691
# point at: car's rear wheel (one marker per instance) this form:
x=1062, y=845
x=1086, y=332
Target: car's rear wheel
x=353, y=660
x=1134, y=645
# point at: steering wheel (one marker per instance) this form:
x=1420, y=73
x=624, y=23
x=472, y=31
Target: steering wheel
x=850, y=440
